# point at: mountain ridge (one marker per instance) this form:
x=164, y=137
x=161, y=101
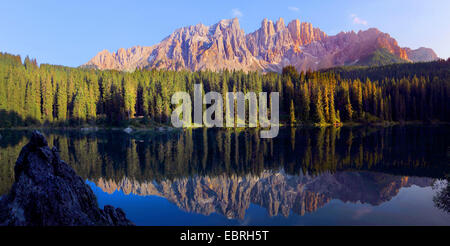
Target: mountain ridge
x=274, y=45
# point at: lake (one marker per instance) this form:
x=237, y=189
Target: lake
x=307, y=176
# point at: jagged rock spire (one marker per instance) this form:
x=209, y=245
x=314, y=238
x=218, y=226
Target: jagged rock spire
x=224, y=45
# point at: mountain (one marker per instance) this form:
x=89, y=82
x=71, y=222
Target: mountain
x=380, y=57
x=128, y=59
x=422, y=54
x=270, y=48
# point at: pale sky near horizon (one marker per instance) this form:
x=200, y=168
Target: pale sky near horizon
x=72, y=32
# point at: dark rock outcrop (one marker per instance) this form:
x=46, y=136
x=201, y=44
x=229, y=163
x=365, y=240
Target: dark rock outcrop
x=48, y=192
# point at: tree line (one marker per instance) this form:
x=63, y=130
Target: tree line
x=32, y=94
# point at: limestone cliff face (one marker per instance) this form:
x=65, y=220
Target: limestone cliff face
x=421, y=54
x=218, y=47
x=271, y=47
x=123, y=59
x=279, y=193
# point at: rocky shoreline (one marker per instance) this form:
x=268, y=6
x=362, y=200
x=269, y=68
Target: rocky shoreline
x=48, y=192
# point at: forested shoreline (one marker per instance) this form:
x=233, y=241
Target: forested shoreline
x=50, y=95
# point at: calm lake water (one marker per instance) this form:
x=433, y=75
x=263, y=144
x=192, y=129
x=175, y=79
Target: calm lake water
x=348, y=176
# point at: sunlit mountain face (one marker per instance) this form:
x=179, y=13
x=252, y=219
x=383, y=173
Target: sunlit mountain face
x=273, y=46
x=358, y=175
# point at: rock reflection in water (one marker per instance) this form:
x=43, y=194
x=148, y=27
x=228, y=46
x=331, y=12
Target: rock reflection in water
x=278, y=192
x=224, y=171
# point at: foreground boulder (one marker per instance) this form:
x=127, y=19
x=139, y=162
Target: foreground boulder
x=48, y=192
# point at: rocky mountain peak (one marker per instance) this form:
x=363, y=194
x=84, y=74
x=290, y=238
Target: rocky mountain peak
x=294, y=30
x=124, y=59
x=227, y=24
x=279, y=25
x=225, y=45
x=267, y=28
x=421, y=54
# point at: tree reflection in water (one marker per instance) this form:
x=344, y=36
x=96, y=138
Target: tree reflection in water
x=219, y=170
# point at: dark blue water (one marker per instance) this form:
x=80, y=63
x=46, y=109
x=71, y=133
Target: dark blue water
x=348, y=176
x=411, y=206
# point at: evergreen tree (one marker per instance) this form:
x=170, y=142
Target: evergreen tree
x=305, y=103
x=348, y=110
x=318, y=116
x=47, y=98
x=292, y=113
x=61, y=102
x=332, y=113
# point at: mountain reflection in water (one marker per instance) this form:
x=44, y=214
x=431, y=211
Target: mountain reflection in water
x=277, y=192
x=207, y=171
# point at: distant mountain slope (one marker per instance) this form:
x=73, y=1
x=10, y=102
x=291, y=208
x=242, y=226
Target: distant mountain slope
x=421, y=54
x=271, y=47
x=380, y=57
x=439, y=69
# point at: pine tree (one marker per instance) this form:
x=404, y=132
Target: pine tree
x=159, y=108
x=33, y=101
x=305, y=103
x=326, y=105
x=359, y=102
x=47, y=98
x=79, y=108
x=332, y=113
x=292, y=113
x=61, y=102
x=318, y=116
x=130, y=92
x=348, y=113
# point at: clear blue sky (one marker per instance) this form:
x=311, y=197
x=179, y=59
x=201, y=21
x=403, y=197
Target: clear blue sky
x=71, y=32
